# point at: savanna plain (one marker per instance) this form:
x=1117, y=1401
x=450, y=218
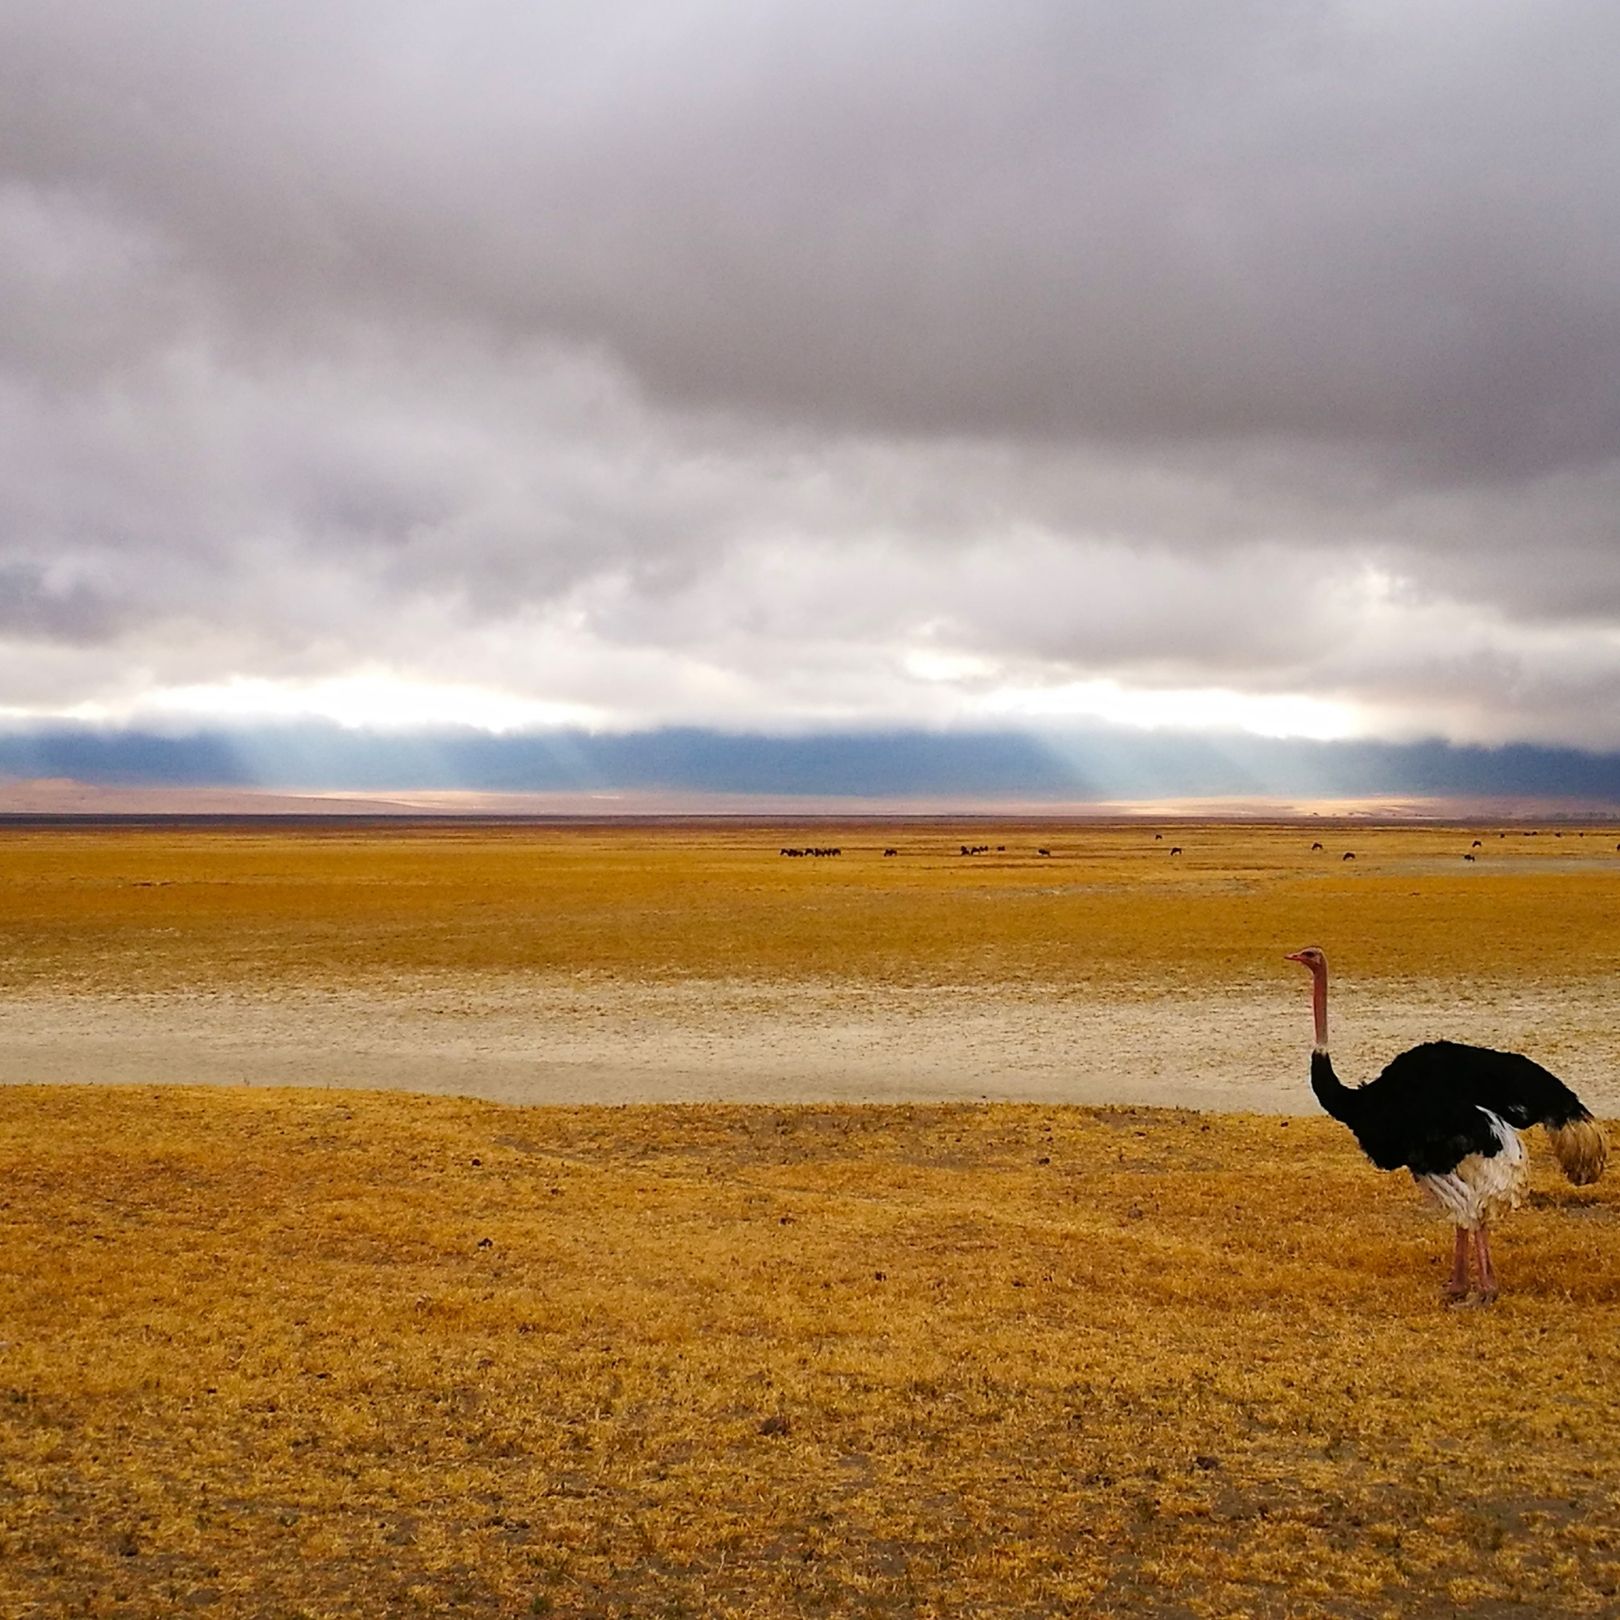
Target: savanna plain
x=571, y=1219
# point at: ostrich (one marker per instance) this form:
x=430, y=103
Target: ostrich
x=1451, y=1115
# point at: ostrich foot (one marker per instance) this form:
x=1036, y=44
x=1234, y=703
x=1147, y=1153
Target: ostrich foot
x=1454, y=1293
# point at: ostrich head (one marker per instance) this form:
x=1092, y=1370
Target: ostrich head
x=1310, y=957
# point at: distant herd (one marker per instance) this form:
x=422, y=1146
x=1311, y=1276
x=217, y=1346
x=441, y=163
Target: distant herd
x=1175, y=849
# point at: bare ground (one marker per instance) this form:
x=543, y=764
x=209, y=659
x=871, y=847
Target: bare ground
x=570, y=1041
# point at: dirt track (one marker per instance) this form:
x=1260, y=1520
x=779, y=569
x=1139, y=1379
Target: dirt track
x=565, y=1042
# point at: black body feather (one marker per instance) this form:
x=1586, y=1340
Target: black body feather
x=1427, y=1110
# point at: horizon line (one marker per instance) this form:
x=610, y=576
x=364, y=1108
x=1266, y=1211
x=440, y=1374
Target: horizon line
x=67, y=799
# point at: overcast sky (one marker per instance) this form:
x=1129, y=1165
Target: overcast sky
x=780, y=366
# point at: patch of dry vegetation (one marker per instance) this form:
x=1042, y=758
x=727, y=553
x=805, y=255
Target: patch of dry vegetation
x=283, y=1354
x=143, y=910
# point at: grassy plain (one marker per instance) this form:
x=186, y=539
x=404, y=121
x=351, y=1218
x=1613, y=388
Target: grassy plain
x=279, y=1354
x=153, y=908
x=276, y=1353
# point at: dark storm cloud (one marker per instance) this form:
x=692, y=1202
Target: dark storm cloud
x=1351, y=222
x=720, y=360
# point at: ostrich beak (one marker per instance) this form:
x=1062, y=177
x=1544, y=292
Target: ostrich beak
x=1294, y=956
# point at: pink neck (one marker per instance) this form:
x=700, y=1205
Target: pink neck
x=1319, y=1007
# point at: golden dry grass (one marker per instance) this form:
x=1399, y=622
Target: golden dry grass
x=285, y=1354
x=111, y=909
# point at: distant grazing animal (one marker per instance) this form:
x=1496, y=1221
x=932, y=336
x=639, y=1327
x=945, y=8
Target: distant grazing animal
x=1158, y=836
x=1175, y=849
x=1476, y=845
x=891, y=852
x=1451, y=1115
x=1316, y=846
x=1048, y=852
x=1349, y=855
x=1468, y=857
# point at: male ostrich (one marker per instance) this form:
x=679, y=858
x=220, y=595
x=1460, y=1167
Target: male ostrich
x=1451, y=1115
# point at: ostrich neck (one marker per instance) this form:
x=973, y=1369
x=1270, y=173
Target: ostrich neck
x=1337, y=1098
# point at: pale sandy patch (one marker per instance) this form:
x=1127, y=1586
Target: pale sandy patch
x=569, y=1041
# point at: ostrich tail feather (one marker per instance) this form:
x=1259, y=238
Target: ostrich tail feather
x=1582, y=1149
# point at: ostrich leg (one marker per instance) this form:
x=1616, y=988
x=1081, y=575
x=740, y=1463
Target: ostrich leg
x=1457, y=1283
x=1487, y=1272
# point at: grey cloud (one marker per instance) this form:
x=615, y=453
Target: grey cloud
x=708, y=360
x=458, y=509
x=36, y=600
x=1393, y=228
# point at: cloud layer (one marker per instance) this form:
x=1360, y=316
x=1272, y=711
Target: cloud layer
x=777, y=366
